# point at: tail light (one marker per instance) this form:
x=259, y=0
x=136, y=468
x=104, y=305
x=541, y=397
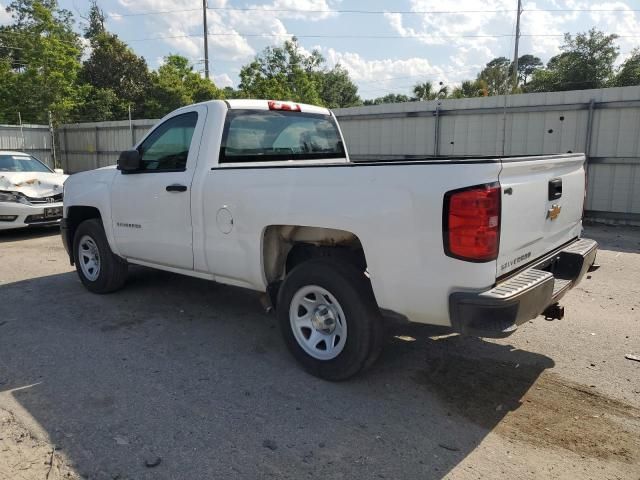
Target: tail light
x=288, y=106
x=471, y=223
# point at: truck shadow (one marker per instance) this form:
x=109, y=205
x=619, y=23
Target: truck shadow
x=27, y=233
x=195, y=374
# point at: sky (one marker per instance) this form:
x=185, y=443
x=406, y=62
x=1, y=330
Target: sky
x=387, y=46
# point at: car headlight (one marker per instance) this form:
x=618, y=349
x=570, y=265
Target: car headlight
x=14, y=197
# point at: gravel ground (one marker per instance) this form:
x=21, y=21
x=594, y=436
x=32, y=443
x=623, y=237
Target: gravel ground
x=179, y=378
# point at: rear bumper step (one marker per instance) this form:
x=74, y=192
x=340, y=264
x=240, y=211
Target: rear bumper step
x=497, y=312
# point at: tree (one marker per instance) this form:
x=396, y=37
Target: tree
x=288, y=73
x=527, y=66
x=629, y=73
x=175, y=85
x=586, y=62
x=283, y=73
x=390, y=98
x=497, y=76
x=426, y=91
x=470, y=89
x=42, y=73
x=96, y=21
x=113, y=66
x=336, y=88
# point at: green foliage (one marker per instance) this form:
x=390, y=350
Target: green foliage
x=96, y=21
x=629, y=73
x=470, y=89
x=336, y=88
x=288, y=73
x=41, y=70
x=497, y=76
x=174, y=85
x=390, y=98
x=586, y=61
x=426, y=91
x=527, y=66
x=113, y=66
x=42, y=75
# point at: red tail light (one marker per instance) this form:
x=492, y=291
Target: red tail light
x=288, y=106
x=471, y=223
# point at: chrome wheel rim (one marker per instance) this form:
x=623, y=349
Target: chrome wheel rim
x=318, y=322
x=89, y=257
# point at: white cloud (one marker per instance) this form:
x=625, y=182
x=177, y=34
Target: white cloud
x=312, y=10
x=184, y=29
x=226, y=27
x=378, y=77
x=626, y=24
x=222, y=80
x=464, y=24
x=115, y=16
x=5, y=17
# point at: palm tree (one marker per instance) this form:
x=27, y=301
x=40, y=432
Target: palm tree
x=425, y=91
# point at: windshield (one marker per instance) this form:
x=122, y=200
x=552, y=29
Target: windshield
x=22, y=163
x=254, y=136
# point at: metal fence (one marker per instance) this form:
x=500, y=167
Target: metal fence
x=604, y=123
x=32, y=139
x=85, y=146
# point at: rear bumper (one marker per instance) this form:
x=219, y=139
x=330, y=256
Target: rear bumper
x=497, y=312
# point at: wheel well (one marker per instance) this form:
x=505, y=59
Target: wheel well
x=285, y=246
x=75, y=216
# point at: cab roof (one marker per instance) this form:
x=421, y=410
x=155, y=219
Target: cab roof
x=249, y=104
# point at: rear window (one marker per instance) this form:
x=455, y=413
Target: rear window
x=267, y=136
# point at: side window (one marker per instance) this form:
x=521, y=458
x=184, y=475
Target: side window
x=167, y=148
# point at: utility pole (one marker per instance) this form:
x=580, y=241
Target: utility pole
x=206, y=39
x=515, y=54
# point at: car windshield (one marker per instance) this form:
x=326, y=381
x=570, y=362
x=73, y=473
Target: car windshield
x=22, y=163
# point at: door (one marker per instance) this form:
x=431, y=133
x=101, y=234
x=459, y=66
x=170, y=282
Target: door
x=151, y=207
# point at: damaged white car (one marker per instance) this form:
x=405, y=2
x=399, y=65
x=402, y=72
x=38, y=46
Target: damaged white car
x=30, y=192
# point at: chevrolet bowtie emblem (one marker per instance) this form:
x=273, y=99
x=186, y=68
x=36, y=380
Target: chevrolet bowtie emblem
x=554, y=211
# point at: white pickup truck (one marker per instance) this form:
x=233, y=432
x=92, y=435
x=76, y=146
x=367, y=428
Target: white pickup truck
x=262, y=195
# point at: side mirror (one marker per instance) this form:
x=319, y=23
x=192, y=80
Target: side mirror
x=58, y=170
x=129, y=161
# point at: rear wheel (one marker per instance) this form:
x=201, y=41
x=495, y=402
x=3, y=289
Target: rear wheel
x=329, y=318
x=99, y=269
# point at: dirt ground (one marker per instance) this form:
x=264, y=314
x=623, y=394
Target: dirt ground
x=179, y=378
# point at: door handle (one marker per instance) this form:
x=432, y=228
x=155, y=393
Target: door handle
x=176, y=188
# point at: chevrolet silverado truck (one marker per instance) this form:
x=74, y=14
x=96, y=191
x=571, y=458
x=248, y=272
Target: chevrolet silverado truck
x=262, y=195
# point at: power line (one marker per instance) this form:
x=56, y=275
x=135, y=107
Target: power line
x=375, y=12
x=352, y=36
x=336, y=36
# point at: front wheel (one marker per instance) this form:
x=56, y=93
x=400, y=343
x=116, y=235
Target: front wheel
x=99, y=269
x=329, y=318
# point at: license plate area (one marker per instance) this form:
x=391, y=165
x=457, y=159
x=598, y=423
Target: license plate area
x=53, y=212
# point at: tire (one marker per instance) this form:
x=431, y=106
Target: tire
x=341, y=312
x=101, y=273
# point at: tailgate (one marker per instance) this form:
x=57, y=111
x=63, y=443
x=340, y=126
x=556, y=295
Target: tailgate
x=542, y=200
